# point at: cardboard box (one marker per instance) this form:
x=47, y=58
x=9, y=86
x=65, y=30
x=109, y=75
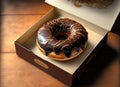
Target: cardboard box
x=67, y=72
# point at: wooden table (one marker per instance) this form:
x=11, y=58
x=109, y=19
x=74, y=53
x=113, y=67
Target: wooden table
x=16, y=17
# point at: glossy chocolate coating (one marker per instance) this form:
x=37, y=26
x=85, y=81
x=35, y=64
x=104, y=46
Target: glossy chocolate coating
x=62, y=35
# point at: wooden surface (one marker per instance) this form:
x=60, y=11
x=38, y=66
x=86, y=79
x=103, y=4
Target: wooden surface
x=16, y=17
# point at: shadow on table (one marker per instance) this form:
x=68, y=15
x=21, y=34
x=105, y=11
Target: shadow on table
x=97, y=65
x=0, y=23
x=0, y=35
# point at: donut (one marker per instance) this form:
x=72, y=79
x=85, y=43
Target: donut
x=93, y=3
x=61, y=39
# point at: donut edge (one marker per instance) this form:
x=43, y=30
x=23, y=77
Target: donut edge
x=61, y=56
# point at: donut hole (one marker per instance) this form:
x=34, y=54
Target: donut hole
x=61, y=36
x=60, y=31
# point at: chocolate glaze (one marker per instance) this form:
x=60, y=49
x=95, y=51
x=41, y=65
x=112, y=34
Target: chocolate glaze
x=62, y=35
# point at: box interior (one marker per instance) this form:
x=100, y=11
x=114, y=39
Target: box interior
x=104, y=18
x=95, y=35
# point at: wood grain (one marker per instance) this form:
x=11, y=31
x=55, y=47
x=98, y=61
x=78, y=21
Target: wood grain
x=24, y=7
x=13, y=27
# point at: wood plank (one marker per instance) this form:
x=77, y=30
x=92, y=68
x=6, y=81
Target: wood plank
x=24, y=7
x=110, y=76
x=15, y=72
x=113, y=41
x=13, y=27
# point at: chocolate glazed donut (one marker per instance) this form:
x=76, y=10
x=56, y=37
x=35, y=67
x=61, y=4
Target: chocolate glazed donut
x=62, y=35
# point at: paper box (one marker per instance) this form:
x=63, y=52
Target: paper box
x=67, y=72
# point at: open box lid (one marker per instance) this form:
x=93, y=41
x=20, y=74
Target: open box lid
x=104, y=18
